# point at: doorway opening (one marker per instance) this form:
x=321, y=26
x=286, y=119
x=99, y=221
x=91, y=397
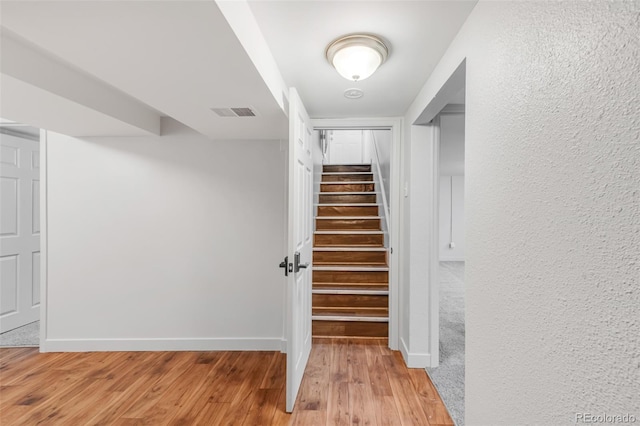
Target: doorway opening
x=350, y=290
x=425, y=240
x=448, y=376
x=355, y=176
x=19, y=235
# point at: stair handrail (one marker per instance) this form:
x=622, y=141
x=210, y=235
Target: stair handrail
x=385, y=204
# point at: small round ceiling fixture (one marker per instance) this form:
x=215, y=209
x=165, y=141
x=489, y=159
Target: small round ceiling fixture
x=353, y=93
x=357, y=56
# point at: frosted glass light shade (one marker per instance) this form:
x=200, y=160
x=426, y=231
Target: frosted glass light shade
x=357, y=56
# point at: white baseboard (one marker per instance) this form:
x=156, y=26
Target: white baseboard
x=414, y=360
x=204, y=344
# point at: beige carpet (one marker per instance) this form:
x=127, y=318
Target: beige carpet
x=27, y=335
x=448, y=377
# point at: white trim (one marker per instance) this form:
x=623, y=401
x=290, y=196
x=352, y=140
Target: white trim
x=349, y=232
x=351, y=268
x=350, y=291
x=348, y=318
x=44, y=240
x=378, y=175
x=414, y=360
x=347, y=205
x=191, y=344
x=396, y=126
x=350, y=217
x=452, y=259
x=434, y=252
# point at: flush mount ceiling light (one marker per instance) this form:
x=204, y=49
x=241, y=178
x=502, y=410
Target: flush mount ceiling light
x=357, y=56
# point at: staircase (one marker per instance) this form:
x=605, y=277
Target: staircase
x=350, y=272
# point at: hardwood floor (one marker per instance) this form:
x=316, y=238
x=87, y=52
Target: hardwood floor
x=347, y=381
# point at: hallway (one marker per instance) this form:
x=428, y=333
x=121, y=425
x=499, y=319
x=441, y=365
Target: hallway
x=355, y=382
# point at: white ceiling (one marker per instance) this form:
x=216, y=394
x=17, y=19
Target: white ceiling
x=418, y=32
x=181, y=58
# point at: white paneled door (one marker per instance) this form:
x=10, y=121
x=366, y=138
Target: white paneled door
x=19, y=231
x=346, y=147
x=299, y=250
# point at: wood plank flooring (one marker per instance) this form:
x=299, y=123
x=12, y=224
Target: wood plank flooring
x=347, y=382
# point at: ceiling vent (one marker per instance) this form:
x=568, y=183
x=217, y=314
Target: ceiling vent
x=236, y=112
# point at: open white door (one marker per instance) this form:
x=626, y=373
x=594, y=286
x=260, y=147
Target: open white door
x=19, y=232
x=299, y=249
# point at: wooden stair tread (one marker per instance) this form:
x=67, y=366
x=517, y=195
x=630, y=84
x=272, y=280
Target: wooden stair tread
x=346, y=182
x=352, y=286
x=350, y=268
x=346, y=168
x=351, y=314
x=347, y=204
x=329, y=188
x=355, y=264
x=365, y=310
x=347, y=173
x=348, y=248
x=342, y=276
x=342, y=199
x=345, y=210
x=351, y=245
x=350, y=329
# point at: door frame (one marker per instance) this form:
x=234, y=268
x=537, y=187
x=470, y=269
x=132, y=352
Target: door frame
x=434, y=258
x=395, y=124
x=44, y=246
x=434, y=250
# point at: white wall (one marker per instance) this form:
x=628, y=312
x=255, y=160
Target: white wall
x=168, y=242
x=451, y=144
x=451, y=217
x=451, y=168
x=318, y=158
x=382, y=141
x=553, y=208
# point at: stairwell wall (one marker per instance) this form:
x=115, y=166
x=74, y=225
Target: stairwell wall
x=164, y=243
x=382, y=141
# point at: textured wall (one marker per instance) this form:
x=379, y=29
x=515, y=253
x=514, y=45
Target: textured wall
x=553, y=209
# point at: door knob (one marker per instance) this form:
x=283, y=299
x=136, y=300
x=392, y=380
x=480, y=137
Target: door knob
x=296, y=263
